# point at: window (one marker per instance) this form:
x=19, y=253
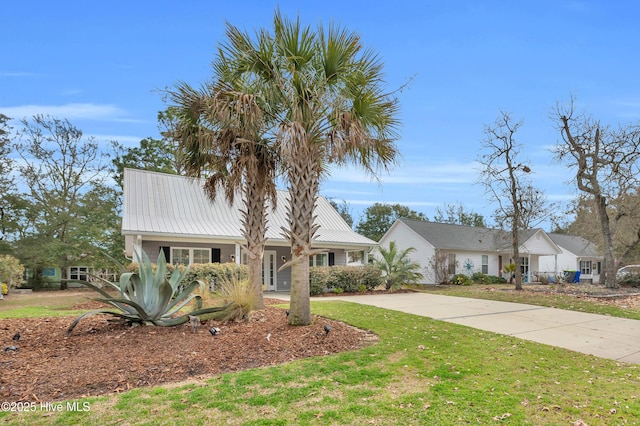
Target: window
x=79, y=273
x=451, y=263
x=355, y=257
x=585, y=267
x=200, y=256
x=524, y=265
x=485, y=264
x=320, y=259
x=188, y=256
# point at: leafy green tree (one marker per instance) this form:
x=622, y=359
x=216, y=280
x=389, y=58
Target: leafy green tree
x=7, y=187
x=397, y=267
x=68, y=207
x=156, y=155
x=457, y=215
x=379, y=217
x=343, y=210
x=327, y=94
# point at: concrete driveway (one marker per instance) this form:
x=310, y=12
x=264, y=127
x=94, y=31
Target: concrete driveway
x=599, y=335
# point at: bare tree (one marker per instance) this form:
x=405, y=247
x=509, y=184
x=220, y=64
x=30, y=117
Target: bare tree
x=457, y=215
x=440, y=267
x=606, y=166
x=503, y=174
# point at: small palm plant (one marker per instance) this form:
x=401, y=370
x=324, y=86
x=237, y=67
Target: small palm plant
x=148, y=297
x=396, y=266
x=511, y=270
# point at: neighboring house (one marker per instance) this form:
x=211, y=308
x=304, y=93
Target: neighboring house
x=468, y=249
x=172, y=213
x=577, y=254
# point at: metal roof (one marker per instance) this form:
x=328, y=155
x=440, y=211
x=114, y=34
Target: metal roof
x=177, y=206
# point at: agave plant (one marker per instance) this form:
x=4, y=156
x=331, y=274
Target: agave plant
x=148, y=297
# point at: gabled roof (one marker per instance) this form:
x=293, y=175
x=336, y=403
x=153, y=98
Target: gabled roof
x=161, y=204
x=446, y=236
x=576, y=245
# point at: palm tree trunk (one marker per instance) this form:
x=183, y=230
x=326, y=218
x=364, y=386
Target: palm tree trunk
x=303, y=191
x=300, y=308
x=254, y=226
x=255, y=278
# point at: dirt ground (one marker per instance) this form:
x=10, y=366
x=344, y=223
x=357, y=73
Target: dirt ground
x=104, y=356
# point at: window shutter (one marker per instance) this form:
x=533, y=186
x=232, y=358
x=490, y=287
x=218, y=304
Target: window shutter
x=215, y=255
x=167, y=253
x=332, y=258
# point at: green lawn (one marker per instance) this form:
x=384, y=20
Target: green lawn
x=43, y=304
x=420, y=372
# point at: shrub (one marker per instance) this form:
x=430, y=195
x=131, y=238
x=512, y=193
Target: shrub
x=209, y=273
x=543, y=279
x=480, y=278
x=630, y=280
x=239, y=297
x=492, y=279
x=349, y=279
x=370, y=277
x=318, y=279
x=460, y=279
x=213, y=274
x=11, y=271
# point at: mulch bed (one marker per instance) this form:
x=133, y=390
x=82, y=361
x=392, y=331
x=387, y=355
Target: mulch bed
x=103, y=356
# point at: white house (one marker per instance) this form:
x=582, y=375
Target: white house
x=577, y=254
x=468, y=249
x=172, y=213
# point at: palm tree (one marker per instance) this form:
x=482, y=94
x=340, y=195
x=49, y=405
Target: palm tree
x=326, y=92
x=323, y=94
x=396, y=266
x=337, y=112
x=222, y=133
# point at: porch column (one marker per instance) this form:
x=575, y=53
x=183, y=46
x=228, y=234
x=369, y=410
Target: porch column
x=137, y=246
x=238, y=260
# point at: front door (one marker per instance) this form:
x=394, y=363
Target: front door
x=269, y=270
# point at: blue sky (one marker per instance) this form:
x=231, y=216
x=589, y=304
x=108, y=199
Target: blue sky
x=103, y=66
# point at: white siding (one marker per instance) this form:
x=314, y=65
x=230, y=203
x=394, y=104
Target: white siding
x=474, y=262
x=554, y=265
x=539, y=243
x=405, y=237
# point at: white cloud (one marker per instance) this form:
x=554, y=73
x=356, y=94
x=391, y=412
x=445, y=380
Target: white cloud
x=70, y=111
